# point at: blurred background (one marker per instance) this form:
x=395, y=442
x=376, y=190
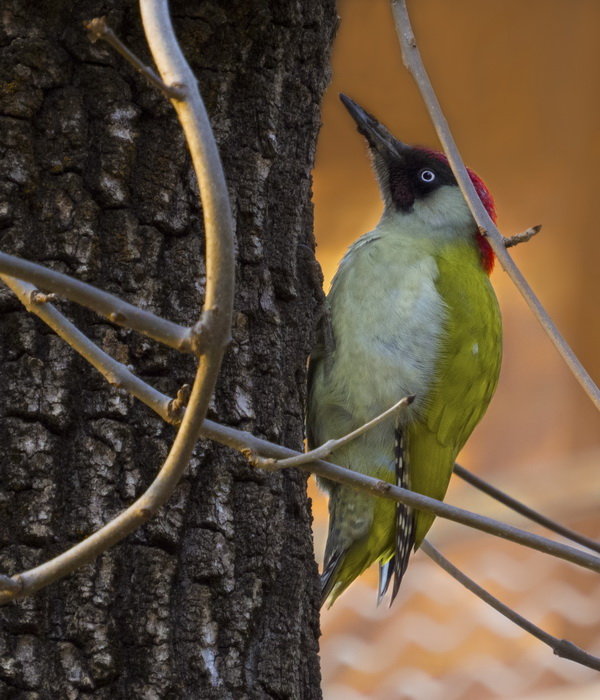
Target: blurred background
x=520, y=85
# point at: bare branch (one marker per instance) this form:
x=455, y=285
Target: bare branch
x=171, y=411
x=216, y=312
x=116, y=373
x=243, y=441
x=326, y=448
x=218, y=223
x=523, y=237
x=103, y=303
x=412, y=60
x=561, y=647
x=521, y=508
x=98, y=29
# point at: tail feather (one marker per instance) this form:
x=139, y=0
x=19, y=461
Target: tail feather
x=405, y=528
x=405, y=537
x=386, y=572
x=329, y=577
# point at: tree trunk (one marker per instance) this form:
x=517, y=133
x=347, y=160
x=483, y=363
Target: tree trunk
x=216, y=597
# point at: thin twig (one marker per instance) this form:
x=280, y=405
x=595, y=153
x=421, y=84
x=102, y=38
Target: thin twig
x=561, y=647
x=116, y=373
x=524, y=510
x=523, y=237
x=326, y=448
x=243, y=441
x=414, y=63
x=216, y=313
x=108, y=305
x=98, y=28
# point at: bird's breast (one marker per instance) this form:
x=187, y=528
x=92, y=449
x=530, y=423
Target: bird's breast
x=387, y=318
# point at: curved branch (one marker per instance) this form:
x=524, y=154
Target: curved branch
x=218, y=224
x=414, y=63
x=561, y=647
x=216, y=314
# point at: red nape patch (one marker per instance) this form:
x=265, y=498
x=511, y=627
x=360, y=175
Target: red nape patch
x=488, y=258
x=487, y=254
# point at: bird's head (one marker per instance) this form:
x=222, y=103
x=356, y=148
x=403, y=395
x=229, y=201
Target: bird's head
x=418, y=182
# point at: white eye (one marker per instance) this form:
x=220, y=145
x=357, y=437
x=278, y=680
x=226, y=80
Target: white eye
x=427, y=175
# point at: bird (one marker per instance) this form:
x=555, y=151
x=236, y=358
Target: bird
x=411, y=312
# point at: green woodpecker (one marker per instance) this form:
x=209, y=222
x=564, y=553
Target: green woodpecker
x=411, y=312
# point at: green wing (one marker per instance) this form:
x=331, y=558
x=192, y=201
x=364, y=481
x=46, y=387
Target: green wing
x=465, y=380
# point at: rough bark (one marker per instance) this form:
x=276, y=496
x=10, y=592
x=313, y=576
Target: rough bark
x=217, y=597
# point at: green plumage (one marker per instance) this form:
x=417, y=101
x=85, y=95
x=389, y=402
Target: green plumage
x=350, y=378
x=465, y=378
x=411, y=312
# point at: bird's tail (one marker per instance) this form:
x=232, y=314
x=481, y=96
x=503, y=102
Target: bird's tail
x=395, y=567
x=329, y=579
x=350, y=545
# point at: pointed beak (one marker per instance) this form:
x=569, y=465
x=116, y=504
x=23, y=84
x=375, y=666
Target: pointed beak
x=379, y=138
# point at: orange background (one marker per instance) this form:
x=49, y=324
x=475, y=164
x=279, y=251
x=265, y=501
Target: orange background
x=520, y=85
